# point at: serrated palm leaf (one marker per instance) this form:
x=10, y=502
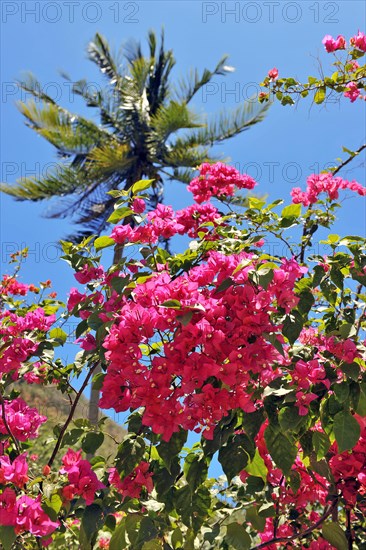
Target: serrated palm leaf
x=99, y=52
x=226, y=125
x=190, y=85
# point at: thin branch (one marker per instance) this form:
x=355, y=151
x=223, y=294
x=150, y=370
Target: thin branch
x=344, y=163
x=299, y=535
x=349, y=530
x=7, y=427
x=71, y=414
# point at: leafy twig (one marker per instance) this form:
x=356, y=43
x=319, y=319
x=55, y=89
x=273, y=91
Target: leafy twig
x=344, y=163
x=299, y=535
x=7, y=427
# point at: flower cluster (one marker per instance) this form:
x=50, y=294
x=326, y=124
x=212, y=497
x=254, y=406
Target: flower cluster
x=25, y=514
x=132, y=485
x=23, y=421
x=218, y=334
x=164, y=223
x=218, y=179
x=82, y=480
x=20, y=334
x=324, y=183
x=359, y=41
x=333, y=44
x=15, y=472
x=349, y=468
x=9, y=285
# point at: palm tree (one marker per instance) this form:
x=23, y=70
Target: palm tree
x=146, y=129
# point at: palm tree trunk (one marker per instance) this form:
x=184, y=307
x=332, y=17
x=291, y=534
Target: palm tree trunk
x=93, y=413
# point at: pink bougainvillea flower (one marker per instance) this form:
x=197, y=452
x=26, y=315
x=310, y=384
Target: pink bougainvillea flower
x=23, y=421
x=132, y=485
x=352, y=91
x=138, y=206
x=332, y=45
x=359, y=41
x=273, y=74
x=218, y=179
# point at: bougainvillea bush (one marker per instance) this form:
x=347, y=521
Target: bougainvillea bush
x=261, y=357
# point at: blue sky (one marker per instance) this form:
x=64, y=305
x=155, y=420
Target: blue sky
x=45, y=37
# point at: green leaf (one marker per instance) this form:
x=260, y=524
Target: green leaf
x=173, y=304
x=234, y=456
x=147, y=532
x=351, y=370
x=320, y=95
x=294, y=480
x=130, y=453
x=91, y=520
x=263, y=277
x=226, y=283
x=141, y=185
x=258, y=522
x=103, y=242
x=346, y=430
x=58, y=334
x=347, y=330
x=267, y=510
x=335, y=535
x=7, y=536
x=52, y=506
x=321, y=444
x=154, y=544
x=119, y=214
x=94, y=321
x=289, y=419
x=254, y=484
x=186, y=318
x=168, y=450
x=282, y=450
x=92, y=441
x=183, y=503
x=290, y=215
x=252, y=422
x=119, y=283
x=237, y=537
x=292, y=326
x=337, y=277
x=361, y=406
x=98, y=380
x=257, y=467
x=195, y=469
x=118, y=540
x=255, y=203
x=72, y=437
x=81, y=328
x=133, y=521
x=177, y=538
x=306, y=302
x=341, y=391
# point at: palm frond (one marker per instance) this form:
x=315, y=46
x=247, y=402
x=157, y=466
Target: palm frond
x=110, y=158
x=99, y=53
x=173, y=117
x=158, y=85
x=69, y=133
x=226, y=125
x=189, y=86
x=61, y=181
x=177, y=157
